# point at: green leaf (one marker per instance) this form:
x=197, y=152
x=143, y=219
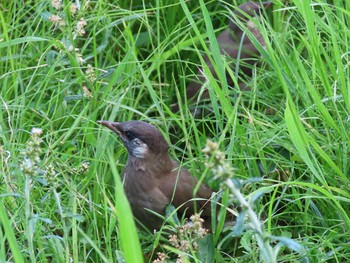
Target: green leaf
x=206, y=249
x=11, y=238
x=290, y=243
x=128, y=236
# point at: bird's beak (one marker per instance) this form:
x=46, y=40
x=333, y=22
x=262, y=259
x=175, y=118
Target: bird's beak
x=114, y=126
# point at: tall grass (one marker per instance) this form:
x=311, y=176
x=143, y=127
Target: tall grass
x=291, y=129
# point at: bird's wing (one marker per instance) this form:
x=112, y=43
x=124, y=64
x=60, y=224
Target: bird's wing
x=179, y=187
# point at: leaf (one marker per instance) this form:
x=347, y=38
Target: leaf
x=128, y=236
x=171, y=214
x=206, y=249
x=9, y=235
x=300, y=139
x=46, y=15
x=239, y=226
x=258, y=193
x=290, y=243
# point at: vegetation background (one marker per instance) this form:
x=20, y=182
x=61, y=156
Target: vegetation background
x=65, y=65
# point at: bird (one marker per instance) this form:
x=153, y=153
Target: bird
x=152, y=179
x=235, y=45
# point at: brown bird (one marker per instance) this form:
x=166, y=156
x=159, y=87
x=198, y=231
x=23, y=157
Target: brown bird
x=236, y=45
x=152, y=180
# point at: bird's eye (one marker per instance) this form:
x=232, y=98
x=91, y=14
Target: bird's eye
x=130, y=135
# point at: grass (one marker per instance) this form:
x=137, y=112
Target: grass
x=60, y=193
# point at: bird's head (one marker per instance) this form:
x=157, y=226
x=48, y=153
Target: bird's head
x=141, y=139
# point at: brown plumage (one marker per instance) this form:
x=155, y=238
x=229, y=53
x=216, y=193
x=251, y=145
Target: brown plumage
x=152, y=179
x=230, y=45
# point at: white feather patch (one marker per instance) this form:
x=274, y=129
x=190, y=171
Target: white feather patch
x=140, y=149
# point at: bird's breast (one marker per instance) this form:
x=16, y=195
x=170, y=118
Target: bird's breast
x=143, y=193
